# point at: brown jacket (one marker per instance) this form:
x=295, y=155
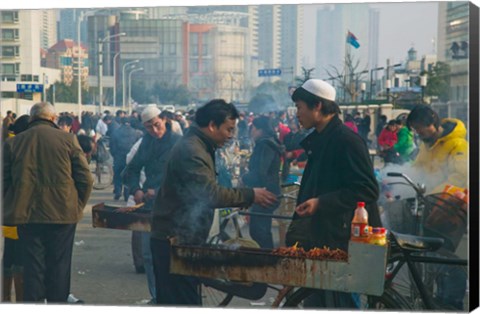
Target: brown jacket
x=46, y=178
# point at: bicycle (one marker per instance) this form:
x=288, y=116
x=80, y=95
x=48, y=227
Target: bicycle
x=416, y=218
x=103, y=171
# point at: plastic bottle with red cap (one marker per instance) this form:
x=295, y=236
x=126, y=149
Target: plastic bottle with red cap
x=359, y=228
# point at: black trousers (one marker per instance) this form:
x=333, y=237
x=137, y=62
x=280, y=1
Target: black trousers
x=48, y=261
x=172, y=289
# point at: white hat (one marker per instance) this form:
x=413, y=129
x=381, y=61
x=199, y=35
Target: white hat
x=320, y=88
x=149, y=113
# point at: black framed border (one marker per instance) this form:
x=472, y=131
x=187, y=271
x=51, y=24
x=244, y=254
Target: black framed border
x=474, y=158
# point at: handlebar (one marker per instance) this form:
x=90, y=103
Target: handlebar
x=286, y=185
x=419, y=188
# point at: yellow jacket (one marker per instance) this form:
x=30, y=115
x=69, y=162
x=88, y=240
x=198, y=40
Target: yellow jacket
x=446, y=161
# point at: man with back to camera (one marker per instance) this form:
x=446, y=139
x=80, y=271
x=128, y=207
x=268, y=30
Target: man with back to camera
x=184, y=208
x=46, y=185
x=338, y=174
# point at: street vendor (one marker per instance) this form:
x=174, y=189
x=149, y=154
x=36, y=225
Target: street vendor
x=184, y=207
x=338, y=174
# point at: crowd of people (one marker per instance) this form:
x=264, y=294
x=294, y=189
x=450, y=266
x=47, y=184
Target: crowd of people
x=172, y=164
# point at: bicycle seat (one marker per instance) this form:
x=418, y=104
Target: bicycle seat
x=417, y=243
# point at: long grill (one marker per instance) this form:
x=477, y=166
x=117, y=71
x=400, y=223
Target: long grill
x=364, y=272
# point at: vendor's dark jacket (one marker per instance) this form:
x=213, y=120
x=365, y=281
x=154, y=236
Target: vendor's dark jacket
x=264, y=165
x=122, y=141
x=189, y=193
x=340, y=173
x=46, y=178
x=152, y=155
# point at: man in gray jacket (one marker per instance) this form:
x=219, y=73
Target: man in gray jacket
x=188, y=195
x=46, y=185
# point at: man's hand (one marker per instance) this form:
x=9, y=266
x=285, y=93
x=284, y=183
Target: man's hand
x=150, y=194
x=307, y=208
x=263, y=197
x=138, y=197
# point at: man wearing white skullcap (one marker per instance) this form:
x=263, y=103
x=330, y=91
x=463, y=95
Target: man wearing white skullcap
x=338, y=174
x=151, y=156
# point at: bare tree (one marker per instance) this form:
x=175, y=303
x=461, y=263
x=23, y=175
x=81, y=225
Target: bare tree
x=306, y=75
x=348, y=79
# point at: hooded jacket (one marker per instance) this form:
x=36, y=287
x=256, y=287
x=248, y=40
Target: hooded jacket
x=46, y=178
x=339, y=173
x=446, y=161
x=189, y=193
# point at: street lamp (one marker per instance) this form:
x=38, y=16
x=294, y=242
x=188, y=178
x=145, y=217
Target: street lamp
x=124, y=91
x=371, y=80
x=100, y=66
x=388, y=85
x=130, y=87
x=115, y=79
x=423, y=84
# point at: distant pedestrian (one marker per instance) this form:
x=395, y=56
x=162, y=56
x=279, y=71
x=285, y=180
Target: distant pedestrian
x=264, y=171
x=47, y=183
x=350, y=122
x=120, y=144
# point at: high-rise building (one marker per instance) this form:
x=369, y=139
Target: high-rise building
x=291, y=41
x=48, y=28
x=333, y=23
x=20, y=46
x=68, y=28
x=453, y=48
x=269, y=35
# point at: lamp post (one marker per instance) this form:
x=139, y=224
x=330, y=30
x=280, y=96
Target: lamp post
x=100, y=66
x=115, y=79
x=124, y=91
x=130, y=87
x=371, y=81
x=423, y=84
x=388, y=85
x=363, y=87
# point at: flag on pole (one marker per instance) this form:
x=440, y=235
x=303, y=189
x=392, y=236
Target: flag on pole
x=352, y=40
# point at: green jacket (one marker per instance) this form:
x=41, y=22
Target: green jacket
x=46, y=178
x=404, y=145
x=189, y=193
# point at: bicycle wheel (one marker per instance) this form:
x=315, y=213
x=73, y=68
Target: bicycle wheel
x=389, y=300
x=212, y=297
x=295, y=299
x=103, y=175
x=447, y=285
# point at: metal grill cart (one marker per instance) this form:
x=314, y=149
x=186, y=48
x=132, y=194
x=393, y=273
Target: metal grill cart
x=364, y=272
x=111, y=217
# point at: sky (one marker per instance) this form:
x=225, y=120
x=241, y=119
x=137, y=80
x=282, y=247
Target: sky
x=401, y=25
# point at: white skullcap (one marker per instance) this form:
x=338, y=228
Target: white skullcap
x=149, y=113
x=320, y=88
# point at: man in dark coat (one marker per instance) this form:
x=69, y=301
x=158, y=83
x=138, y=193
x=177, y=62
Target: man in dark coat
x=120, y=144
x=184, y=208
x=151, y=156
x=338, y=174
